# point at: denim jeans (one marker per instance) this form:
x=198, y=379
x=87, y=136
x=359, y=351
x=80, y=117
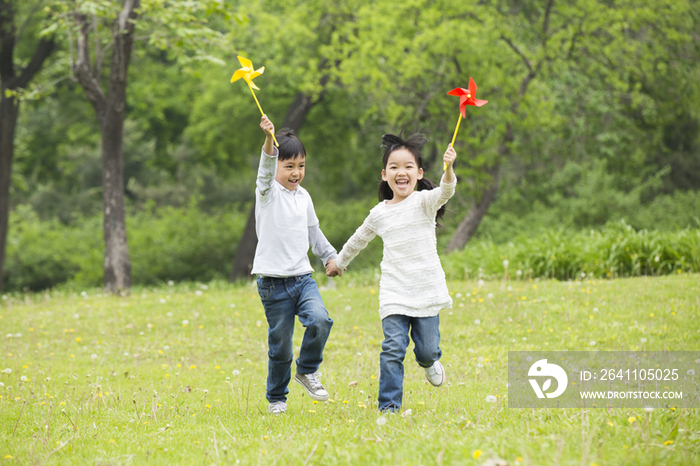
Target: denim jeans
x=283, y=299
x=426, y=338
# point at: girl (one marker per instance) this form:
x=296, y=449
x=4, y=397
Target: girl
x=412, y=288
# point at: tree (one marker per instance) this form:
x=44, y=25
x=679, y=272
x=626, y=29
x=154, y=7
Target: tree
x=102, y=25
x=520, y=53
x=14, y=79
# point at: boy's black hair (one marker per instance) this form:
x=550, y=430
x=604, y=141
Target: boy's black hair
x=390, y=143
x=290, y=145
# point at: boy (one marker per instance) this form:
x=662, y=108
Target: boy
x=286, y=223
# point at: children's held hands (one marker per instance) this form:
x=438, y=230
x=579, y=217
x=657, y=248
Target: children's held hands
x=449, y=159
x=269, y=130
x=332, y=269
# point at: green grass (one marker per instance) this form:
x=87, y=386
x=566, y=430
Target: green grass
x=176, y=375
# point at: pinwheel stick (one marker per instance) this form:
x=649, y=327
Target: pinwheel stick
x=444, y=167
x=261, y=110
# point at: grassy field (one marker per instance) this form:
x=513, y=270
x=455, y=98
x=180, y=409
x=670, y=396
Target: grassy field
x=176, y=375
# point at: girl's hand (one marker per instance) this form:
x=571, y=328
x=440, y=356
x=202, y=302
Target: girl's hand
x=267, y=126
x=332, y=270
x=449, y=157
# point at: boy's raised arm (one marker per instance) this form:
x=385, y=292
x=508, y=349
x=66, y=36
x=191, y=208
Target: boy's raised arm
x=268, y=159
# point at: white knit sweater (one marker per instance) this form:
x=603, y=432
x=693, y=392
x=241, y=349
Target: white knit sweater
x=412, y=282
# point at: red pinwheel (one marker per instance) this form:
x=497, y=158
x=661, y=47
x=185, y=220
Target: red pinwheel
x=466, y=97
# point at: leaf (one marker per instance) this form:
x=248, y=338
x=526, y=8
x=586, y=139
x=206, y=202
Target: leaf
x=546, y=384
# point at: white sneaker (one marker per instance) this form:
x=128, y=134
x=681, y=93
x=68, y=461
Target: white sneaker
x=277, y=407
x=435, y=374
x=312, y=385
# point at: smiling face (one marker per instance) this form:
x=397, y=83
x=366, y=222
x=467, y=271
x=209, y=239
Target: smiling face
x=290, y=172
x=401, y=173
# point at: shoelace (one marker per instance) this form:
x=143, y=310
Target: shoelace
x=313, y=380
x=432, y=370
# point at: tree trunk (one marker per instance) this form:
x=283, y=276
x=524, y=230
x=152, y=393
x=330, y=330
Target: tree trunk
x=8, y=119
x=111, y=111
x=245, y=252
x=9, y=109
x=243, y=262
x=470, y=223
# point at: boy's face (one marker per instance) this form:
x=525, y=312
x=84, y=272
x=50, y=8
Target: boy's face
x=290, y=172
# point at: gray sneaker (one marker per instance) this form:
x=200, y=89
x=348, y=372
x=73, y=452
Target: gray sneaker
x=312, y=385
x=277, y=407
x=435, y=374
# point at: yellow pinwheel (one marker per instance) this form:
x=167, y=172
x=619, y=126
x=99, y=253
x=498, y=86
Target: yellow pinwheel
x=248, y=73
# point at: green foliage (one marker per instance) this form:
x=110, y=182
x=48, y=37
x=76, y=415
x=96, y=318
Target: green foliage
x=170, y=244
x=616, y=251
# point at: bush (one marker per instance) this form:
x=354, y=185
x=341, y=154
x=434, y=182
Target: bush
x=171, y=244
x=616, y=251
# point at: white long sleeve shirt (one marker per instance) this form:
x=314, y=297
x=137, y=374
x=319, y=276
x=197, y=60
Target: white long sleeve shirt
x=412, y=281
x=286, y=224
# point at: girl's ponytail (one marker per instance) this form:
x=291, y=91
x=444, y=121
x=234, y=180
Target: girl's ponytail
x=385, y=192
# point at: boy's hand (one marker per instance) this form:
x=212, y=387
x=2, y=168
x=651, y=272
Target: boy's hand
x=332, y=269
x=269, y=130
x=449, y=157
x=267, y=126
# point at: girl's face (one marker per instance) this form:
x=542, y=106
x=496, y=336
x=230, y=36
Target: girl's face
x=402, y=174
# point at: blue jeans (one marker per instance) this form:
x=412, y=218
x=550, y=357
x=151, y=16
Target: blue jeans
x=283, y=299
x=426, y=338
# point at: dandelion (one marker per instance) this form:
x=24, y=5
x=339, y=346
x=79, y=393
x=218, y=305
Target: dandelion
x=648, y=409
x=477, y=322
x=162, y=300
x=198, y=293
x=381, y=420
x=477, y=454
x=7, y=371
x=348, y=308
x=690, y=372
x=93, y=356
x=491, y=399
x=643, y=340
x=592, y=343
x=480, y=283
x=668, y=442
x=631, y=419
x=519, y=273
x=236, y=373
x=490, y=295
x=505, y=263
